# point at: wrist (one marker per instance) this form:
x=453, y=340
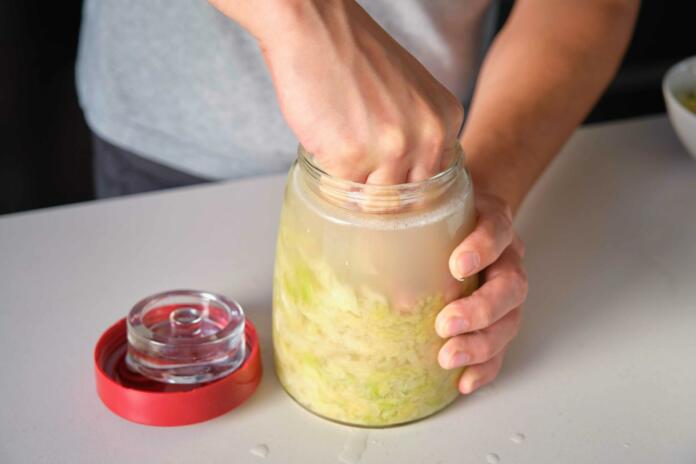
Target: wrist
x=270, y=20
x=286, y=22
x=492, y=163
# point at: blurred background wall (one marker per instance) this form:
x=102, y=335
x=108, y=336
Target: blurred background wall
x=45, y=145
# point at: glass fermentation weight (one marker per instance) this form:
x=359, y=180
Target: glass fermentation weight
x=185, y=337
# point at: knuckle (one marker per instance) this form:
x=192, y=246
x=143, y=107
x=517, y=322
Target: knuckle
x=430, y=163
x=489, y=202
x=502, y=206
x=493, y=203
x=433, y=132
x=488, y=240
x=500, y=232
x=438, y=136
x=431, y=147
x=503, y=220
x=351, y=150
x=393, y=142
x=519, y=282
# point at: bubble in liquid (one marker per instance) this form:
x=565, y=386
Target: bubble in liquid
x=518, y=438
x=260, y=451
x=492, y=458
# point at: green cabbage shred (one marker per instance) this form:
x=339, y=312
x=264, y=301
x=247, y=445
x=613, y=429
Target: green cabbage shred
x=344, y=352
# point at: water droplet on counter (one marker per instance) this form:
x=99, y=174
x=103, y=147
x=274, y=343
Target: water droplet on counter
x=354, y=447
x=260, y=451
x=518, y=438
x=492, y=458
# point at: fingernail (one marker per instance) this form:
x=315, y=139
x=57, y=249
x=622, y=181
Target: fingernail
x=467, y=263
x=441, y=326
x=457, y=325
x=470, y=387
x=459, y=359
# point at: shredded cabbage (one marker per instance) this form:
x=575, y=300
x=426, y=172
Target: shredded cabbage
x=345, y=353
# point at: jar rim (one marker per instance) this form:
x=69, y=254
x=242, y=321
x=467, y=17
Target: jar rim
x=308, y=159
x=379, y=198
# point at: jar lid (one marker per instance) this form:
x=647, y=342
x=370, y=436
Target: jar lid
x=179, y=358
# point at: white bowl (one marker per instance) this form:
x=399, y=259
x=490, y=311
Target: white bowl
x=680, y=79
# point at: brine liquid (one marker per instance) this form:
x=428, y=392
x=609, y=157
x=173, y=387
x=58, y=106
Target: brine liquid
x=355, y=301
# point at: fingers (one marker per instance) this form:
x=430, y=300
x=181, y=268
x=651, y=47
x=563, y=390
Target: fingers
x=437, y=147
x=480, y=346
x=482, y=324
x=422, y=148
x=389, y=174
x=492, y=235
x=400, y=154
x=505, y=288
x=338, y=171
x=474, y=377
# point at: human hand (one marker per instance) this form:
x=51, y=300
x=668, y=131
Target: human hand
x=481, y=325
x=360, y=103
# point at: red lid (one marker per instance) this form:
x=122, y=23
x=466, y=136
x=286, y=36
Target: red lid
x=139, y=399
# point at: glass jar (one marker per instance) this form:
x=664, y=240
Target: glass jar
x=361, y=273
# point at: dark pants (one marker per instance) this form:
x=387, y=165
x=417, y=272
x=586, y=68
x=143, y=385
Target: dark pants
x=120, y=172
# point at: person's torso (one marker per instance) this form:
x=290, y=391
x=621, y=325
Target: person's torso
x=181, y=84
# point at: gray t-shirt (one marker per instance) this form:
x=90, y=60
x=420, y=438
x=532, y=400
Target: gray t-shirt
x=179, y=83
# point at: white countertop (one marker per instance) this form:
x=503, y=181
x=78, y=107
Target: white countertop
x=604, y=369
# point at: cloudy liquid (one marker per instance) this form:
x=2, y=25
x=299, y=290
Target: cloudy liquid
x=355, y=299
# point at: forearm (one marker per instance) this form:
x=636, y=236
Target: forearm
x=366, y=109
x=543, y=74
x=263, y=19
x=285, y=24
